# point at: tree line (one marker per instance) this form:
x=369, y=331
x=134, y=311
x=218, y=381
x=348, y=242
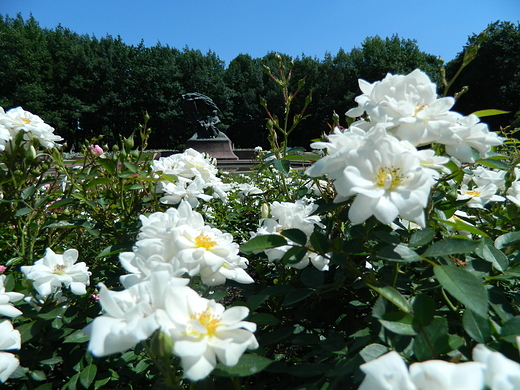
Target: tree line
x=86, y=86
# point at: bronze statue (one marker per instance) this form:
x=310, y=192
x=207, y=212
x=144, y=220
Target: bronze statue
x=196, y=104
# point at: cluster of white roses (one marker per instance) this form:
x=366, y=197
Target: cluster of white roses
x=17, y=125
x=488, y=370
x=48, y=275
x=194, y=174
x=376, y=160
x=9, y=338
x=156, y=297
x=293, y=215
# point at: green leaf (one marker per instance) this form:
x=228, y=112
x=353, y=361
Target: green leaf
x=400, y=253
x=22, y=211
x=312, y=277
x=116, y=248
x=294, y=255
x=451, y=246
x=319, y=242
x=130, y=166
x=109, y=165
x=283, y=166
x=463, y=226
x=476, y=326
x=507, y=239
x=295, y=235
x=511, y=329
x=393, y=296
x=465, y=287
x=305, y=157
x=421, y=237
x=263, y=319
x=260, y=243
x=297, y=296
x=496, y=257
x=97, y=181
x=495, y=164
x=373, y=351
x=60, y=203
x=423, y=309
x=398, y=322
x=38, y=375
x=248, y=364
x=489, y=112
x=76, y=337
x=432, y=341
x=28, y=193
x=87, y=376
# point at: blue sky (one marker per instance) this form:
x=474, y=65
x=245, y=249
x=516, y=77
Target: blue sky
x=232, y=27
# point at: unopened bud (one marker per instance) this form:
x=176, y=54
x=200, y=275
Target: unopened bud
x=30, y=154
x=264, y=210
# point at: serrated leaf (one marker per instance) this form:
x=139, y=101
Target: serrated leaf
x=432, y=341
x=283, y=166
x=463, y=226
x=399, y=323
x=400, y=253
x=38, y=375
x=465, y=287
x=421, y=237
x=496, y=257
x=373, y=351
x=393, y=296
x=114, y=249
x=476, y=326
x=451, y=246
x=423, y=309
x=495, y=164
x=260, y=243
x=507, y=239
x=511, y=329
x=87, y=375
x=248, y=364
x=319, y=242
x=22, y=211
x=294, y=255
x=76, y=337
x=295, y=235
x=60, y=203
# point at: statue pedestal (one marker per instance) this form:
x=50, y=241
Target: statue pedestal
x=219, y=147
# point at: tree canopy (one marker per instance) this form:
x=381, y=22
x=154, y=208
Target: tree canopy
x=85, y=86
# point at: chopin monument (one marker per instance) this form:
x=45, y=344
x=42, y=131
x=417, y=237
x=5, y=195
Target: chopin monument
x=207, y=138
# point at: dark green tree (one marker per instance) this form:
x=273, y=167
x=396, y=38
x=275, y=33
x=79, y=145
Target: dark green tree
x=493, y=77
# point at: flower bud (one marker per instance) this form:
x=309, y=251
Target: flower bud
x=128, y=143
x=30, y=154
x=264, y=210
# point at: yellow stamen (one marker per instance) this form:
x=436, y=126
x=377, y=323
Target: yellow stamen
x=473, y=193
x=59, y=270
x=26, y=121
x=203, y=241
x=418, y=108
x=389, y=178
x=208, y=321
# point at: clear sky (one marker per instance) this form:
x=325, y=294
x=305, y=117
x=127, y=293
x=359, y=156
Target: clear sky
x=293, y=27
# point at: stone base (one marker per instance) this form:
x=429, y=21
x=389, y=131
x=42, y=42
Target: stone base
x=220, y=147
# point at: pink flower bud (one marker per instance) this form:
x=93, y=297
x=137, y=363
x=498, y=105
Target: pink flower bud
x=96, y=149
x=2, y=268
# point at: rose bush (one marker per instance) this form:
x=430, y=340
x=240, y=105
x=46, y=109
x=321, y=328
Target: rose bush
x=390, y=261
